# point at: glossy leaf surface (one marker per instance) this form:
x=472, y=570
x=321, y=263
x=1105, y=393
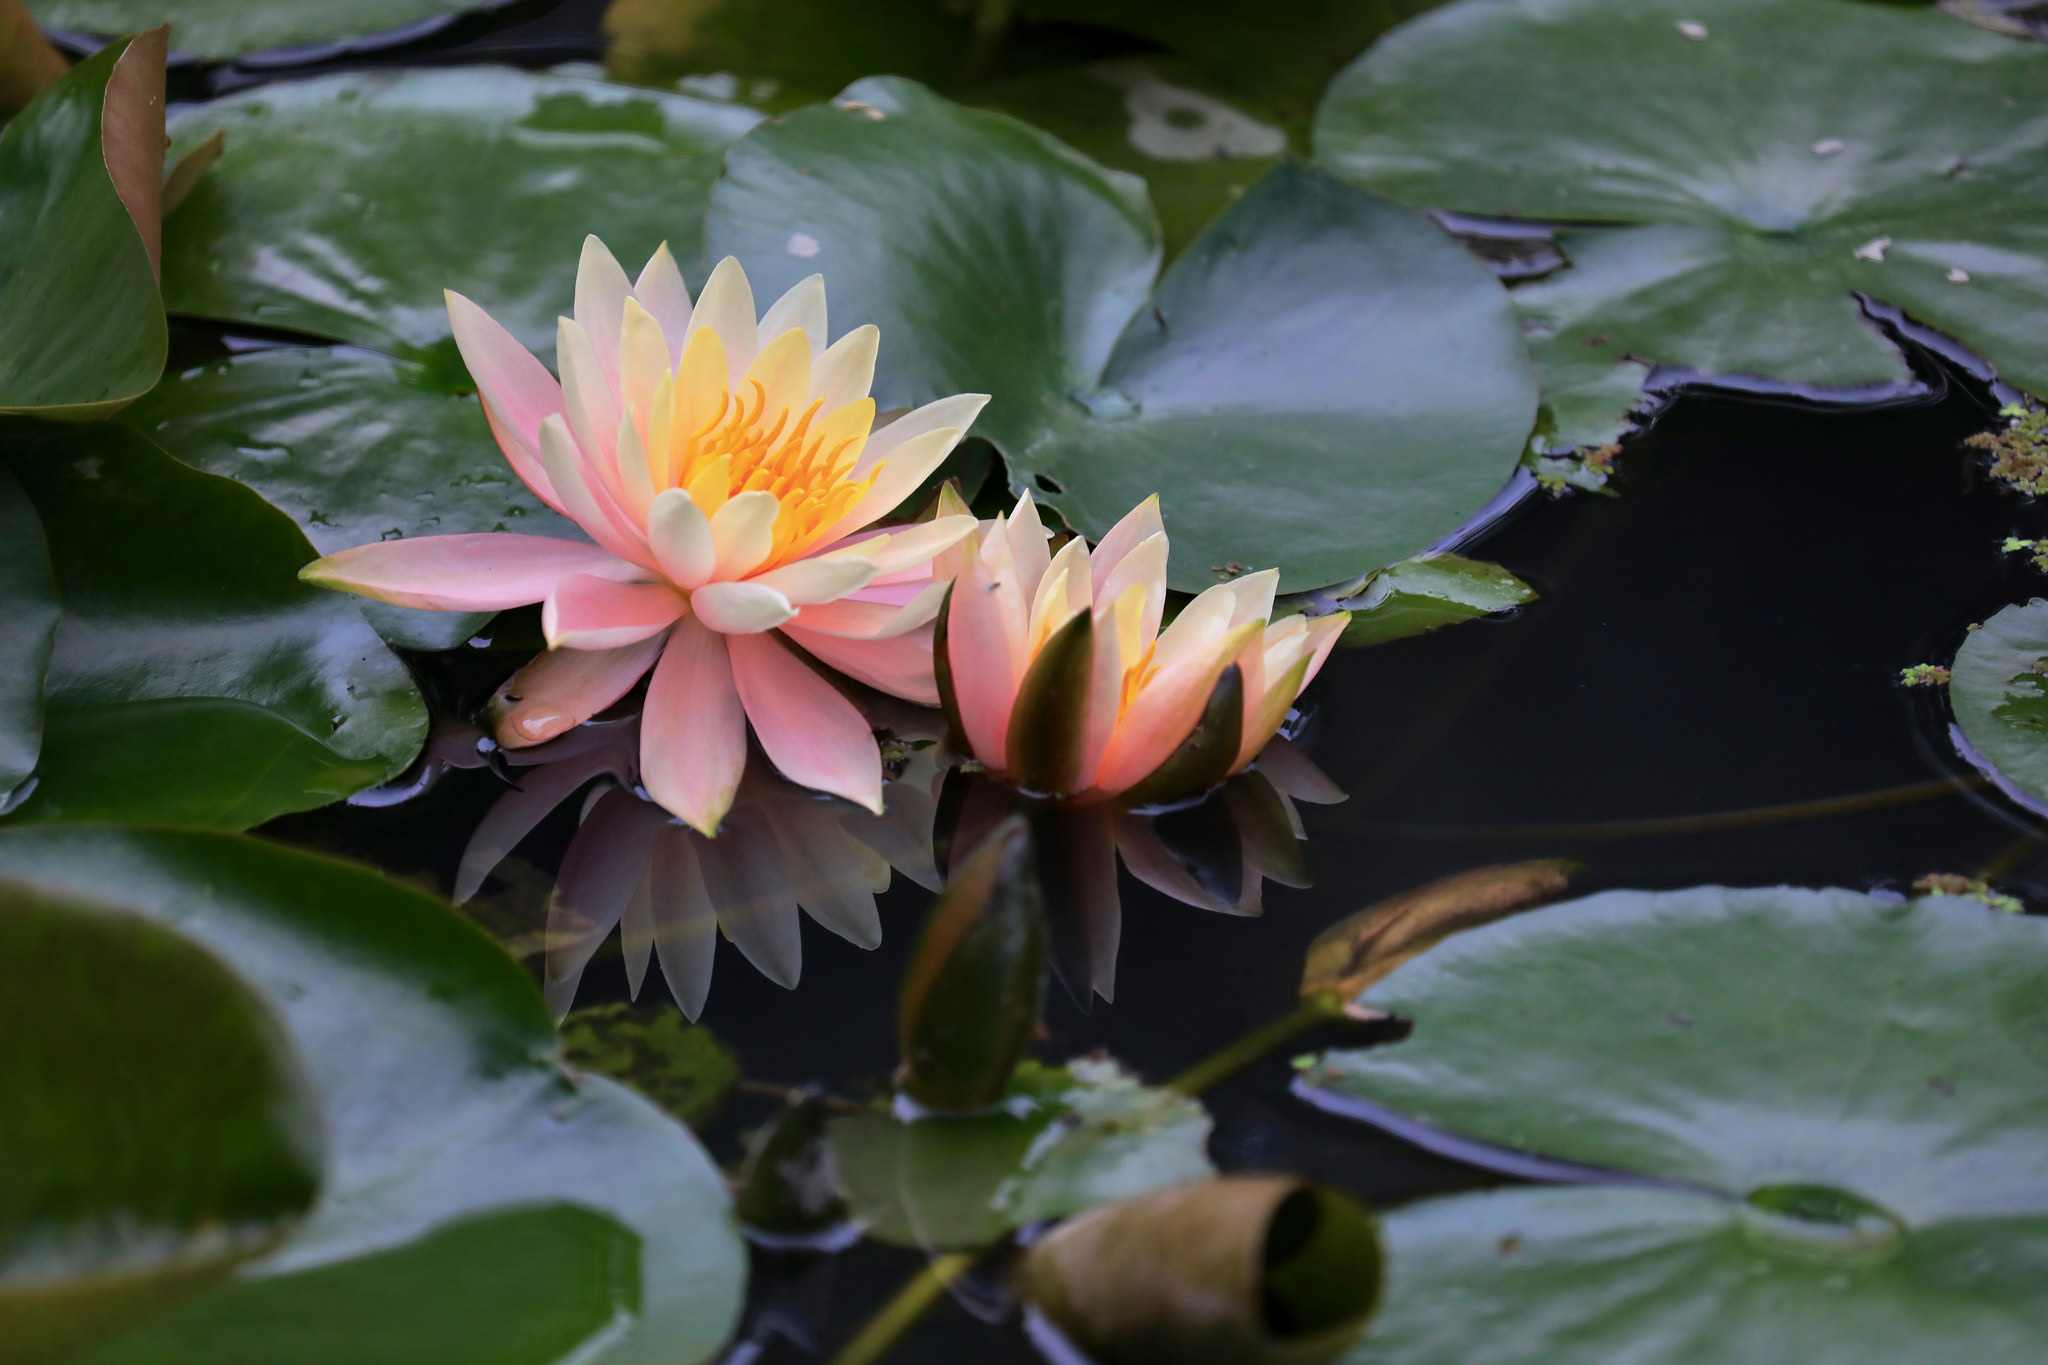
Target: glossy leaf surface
x=1782, y=156
x=1428, y=593
x=344, y=205
x=1837, y=1100
x=1322, y=380
x=28, y=625
x=194, y=679
x=1065, y=1139
x=144, y=1161
x=1535, y=1276
x=433, y=1061
x=354, y=447
x=218, y=29
x=81, y=324
x=2000, y=696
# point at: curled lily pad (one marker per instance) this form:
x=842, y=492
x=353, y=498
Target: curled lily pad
x=1322, y=381
x=1774, y=158
x=28, y=625
x=1427, y=593
x=146, y=1161
x=81, y=323
x=1826, y=1109
x=1999, y=689
x=220, y=29
x=343, y=206
x=354, y=447
x=194, y=679
x=1217, y=1272
x=482, y=1203
x=1064, y=1139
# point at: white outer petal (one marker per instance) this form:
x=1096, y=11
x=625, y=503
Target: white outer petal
x=740, y=608
x=680, y=535
x=821, y=579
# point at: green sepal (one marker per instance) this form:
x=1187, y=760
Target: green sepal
x=1049, y=722
x=1205, y=757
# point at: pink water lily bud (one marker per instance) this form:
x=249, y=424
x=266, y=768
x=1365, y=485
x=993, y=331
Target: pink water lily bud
x=1056, y=675
x=726, y=467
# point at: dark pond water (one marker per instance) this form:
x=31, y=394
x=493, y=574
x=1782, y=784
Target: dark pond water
x=1707, y=691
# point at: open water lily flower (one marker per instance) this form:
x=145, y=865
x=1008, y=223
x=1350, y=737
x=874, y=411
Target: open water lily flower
x=1058, y=678
x=726, y=467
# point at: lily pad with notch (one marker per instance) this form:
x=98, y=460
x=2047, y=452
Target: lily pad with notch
x=1771, y=160
x=1322, y=381
x=194, y=679
x=1806, y=1126
x=344, y=205
x=354, y=447
x=482, y=1202
x=1065, y=1139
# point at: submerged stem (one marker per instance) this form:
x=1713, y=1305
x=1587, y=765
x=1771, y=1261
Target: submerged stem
x=1221, y=1065
x=900, y=1313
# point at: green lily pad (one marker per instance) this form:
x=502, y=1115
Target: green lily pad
x=354, y=447
x=81, y=324
x=1999, y=691
x=343, y=206
x=447, y=1111
x=1322, y=381
x=1836, y=1102
x=1428, y=593
x=1067, y=1139
x=681, y=1066
x=219, y=30
x=1780, y=157
x=145, y=1161
x=1196, y=150
x=27, y=627
x=194, y=679
x=1538, y=1276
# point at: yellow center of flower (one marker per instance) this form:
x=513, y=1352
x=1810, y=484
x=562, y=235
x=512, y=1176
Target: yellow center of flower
x=745, y=450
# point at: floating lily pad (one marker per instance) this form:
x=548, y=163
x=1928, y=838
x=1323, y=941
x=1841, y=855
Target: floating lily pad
x=1538, y=1276
x=221, y=29
x=1836, y=1103
x=1428, y=593
x=27, y=627
x=1067, y=1139
x=81, y=324
x=1322, y=381
x=194, y=679
x=354, y=447
x=1999, y=690
x=145, y=1161
x=343, y=206
x=1781, y=157
x=449, y=1122
x=1196, y=149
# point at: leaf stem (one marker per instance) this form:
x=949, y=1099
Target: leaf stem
x=1220, y=1066
x=898, y=1315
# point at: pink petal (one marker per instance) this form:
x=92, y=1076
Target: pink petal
x=980, y=645
x=601, y=291
x=685, y=924
x=693, y=733
x=900, y=665
x=515, y=813
x=516, y=390
x=1164, y=711
x=661, y=291
x=563, y=688
x=587, y=612
x=811, y=733
x=489, y=571
x=1139, y=525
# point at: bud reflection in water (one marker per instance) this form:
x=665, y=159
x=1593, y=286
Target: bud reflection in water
x=670, y=890
x=1215, y=854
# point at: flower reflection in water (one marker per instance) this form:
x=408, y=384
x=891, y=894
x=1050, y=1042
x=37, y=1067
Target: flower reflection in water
x=670, y=890
x=1215, y=854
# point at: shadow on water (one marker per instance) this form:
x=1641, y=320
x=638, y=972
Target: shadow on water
x=1723, y=637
